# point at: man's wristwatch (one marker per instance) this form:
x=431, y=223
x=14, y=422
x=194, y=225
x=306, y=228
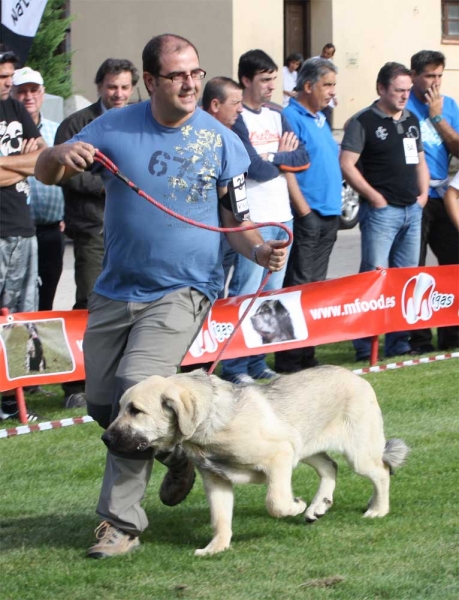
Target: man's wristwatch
x=436, y=118
x=271, y=156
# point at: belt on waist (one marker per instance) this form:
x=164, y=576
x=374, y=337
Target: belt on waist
x=47, y=226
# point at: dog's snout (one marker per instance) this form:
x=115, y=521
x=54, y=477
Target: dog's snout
x=107, y=438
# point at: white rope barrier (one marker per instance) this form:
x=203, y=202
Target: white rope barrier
x=23, y=429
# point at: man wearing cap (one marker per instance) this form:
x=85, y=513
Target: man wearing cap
x=46, y=201
x=20, y=145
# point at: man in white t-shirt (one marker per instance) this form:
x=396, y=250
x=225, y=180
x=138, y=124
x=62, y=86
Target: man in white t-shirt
x=275, y=155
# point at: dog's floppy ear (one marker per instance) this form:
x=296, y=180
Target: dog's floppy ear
x=180, y=401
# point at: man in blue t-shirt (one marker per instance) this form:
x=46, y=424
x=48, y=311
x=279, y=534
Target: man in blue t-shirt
x=439, y=119
x=318, y=189
x=160, y=275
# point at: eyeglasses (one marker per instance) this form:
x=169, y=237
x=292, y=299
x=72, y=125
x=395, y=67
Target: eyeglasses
x=31, y=92
x=8, y=57
x=181, y=76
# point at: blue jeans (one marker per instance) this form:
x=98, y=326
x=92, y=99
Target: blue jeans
x=247, y=277
x=19, y=274
x=390, y=237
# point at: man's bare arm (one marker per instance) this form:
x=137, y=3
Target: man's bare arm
x=268, y=254
x=16, y=167
x=63, y=161
x=423, y=180
x=297, y=199
x=451, y=202
x=449, y=135
x=348, y=161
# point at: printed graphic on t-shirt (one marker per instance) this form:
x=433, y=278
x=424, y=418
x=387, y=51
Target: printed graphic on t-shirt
x=11, y=136
x=193, y=167
x=429, y=134
x=381, y=133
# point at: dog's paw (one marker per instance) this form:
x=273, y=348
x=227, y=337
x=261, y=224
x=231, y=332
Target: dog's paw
x=373, y=513
x=317, y=510
x=211, y=549
x=299, y=506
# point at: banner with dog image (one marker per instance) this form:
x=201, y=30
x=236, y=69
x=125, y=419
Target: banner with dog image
x=47, y=347
x=42, y=347
x=361, y=305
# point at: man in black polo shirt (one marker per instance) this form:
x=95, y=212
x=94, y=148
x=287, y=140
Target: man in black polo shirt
x=383, y=159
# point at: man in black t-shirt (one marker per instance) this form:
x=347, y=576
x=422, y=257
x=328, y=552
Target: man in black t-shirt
x=383, y=159
x=20, y=145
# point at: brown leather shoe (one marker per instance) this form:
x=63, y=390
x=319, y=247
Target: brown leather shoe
x=177, y=485
x=112, y=542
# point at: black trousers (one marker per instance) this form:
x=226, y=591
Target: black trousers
x=443, y=238
x=313, y=239
x=51, y=246
x=88, y=249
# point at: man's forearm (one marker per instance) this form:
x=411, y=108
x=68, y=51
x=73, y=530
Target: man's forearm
x=356, y=180
x=22, y=164
x=423, y=177
x=48, y=169
x=297, y=199
x=243, y=241
x=449, y=136
x=8, y=177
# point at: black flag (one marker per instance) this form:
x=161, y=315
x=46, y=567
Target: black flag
x=20, y=21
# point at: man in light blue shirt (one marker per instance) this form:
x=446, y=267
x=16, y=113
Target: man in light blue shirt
x=439, y=120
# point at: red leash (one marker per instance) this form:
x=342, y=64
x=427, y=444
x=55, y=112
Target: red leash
x=110, y=166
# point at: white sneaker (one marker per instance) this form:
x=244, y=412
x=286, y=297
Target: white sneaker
x=267, y=374
x=243, y=379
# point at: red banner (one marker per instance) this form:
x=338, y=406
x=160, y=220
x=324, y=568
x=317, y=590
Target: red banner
x=46, y=347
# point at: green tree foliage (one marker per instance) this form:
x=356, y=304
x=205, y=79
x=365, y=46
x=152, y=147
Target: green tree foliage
x=45, y=53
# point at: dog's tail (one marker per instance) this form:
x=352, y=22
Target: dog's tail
x=395, y=453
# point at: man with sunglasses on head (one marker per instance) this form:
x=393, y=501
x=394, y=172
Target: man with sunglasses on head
x=20, y=145
x=159, y=274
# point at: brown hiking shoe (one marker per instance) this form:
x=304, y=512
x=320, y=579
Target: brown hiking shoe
x=112, y=542
x=177, y=485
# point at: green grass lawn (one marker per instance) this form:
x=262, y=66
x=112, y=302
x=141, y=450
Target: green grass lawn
x=50, y=481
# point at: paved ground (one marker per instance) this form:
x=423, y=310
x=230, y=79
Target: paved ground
x=344, y=261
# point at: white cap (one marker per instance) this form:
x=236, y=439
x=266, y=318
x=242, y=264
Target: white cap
x=27, y=75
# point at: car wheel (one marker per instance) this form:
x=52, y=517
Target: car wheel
x=349, y=207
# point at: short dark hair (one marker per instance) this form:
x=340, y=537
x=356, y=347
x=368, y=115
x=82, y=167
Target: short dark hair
x=253, y=62
x=115, y=66
x=294, y=57
x=329, y=46
x=217, y=88
x=7, y=56
x=420, y=60
x=312, y=70
x=390, y=71
x=166, y=42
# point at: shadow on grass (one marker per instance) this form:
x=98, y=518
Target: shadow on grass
x=183, y=527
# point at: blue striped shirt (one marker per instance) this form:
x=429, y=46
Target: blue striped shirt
x=46, y=201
